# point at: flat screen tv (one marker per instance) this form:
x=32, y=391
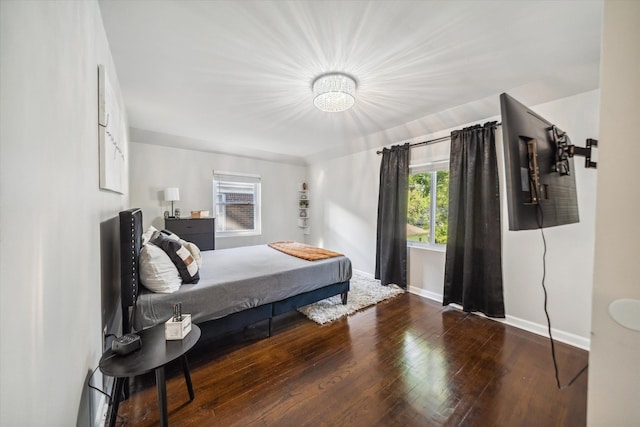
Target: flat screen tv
x=541, y=186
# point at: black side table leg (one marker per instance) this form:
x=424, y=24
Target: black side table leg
x=115, y=401
x=162, y=396
x=187, y=376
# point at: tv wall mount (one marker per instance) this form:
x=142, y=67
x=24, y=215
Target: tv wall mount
x=565, y=149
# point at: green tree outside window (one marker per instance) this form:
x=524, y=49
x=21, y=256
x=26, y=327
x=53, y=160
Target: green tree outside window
x=428, y=207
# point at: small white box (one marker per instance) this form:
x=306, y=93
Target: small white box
x=199, y=214
x=177, y=330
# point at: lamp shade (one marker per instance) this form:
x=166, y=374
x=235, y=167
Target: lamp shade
x=171, y=194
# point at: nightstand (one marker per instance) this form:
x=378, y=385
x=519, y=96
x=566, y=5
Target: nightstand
x=154, y=354
x=200, y=231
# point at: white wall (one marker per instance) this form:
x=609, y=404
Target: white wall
x=614, y=374
x=155, y=167
x=348, y=189
x=52, y=211
x=345, y=206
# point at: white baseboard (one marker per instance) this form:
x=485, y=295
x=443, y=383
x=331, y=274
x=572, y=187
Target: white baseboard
x=101, y=413
x=536, y=328
x=426, y=294
x=558, y=335
x=364, y=273
x=102, y=407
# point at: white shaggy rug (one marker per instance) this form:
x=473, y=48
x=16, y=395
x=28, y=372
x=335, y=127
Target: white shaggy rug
x=364, y=291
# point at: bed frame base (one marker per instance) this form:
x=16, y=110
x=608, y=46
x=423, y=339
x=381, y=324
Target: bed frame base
x=248, y=317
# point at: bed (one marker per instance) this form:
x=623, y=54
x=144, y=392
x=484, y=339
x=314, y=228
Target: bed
x=238, y=287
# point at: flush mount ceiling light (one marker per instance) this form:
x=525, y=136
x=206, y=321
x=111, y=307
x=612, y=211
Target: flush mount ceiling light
x=334, y=92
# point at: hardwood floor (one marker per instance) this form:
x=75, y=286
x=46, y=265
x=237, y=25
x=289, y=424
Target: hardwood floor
x=405, y=362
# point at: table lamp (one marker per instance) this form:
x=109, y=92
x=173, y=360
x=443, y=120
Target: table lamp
x=172, y=194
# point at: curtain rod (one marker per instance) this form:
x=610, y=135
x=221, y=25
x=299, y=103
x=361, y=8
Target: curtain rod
x=431, y=141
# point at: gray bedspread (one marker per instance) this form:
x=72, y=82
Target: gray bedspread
x=233, y=280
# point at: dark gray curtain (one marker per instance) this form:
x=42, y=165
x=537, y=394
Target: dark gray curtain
x=391, y=245
x=473, y=267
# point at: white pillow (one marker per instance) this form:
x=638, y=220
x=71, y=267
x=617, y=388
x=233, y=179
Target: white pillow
x=157, y=272
x=146, y=236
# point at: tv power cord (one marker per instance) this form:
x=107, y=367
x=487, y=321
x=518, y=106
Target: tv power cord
x=546, y=311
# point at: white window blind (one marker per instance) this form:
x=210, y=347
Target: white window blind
x=237, y=203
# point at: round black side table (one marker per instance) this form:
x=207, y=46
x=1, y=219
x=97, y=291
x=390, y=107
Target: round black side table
x=154, y=354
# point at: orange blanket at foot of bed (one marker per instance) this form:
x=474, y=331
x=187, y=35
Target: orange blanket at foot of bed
x=300, y=250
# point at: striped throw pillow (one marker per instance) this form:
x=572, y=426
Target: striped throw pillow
x=181, y=257
x=195, y=250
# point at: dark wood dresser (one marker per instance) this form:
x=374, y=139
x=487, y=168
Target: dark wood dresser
x=201, y=231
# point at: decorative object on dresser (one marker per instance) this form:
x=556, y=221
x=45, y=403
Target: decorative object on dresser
x=199, y=214
x=200, y=231
x=172, y=194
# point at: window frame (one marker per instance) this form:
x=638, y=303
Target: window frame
x=432, y=168
x=235, y=178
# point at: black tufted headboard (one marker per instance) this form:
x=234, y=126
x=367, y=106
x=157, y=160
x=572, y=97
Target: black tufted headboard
x=130, y=245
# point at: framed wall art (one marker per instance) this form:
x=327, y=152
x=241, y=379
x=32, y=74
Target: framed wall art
x=111, y=136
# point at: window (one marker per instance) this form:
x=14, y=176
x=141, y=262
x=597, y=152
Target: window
x=428, y=207
x=237, y=204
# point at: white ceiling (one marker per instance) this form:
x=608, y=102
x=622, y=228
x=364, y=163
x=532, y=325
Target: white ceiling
x=235, y=76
